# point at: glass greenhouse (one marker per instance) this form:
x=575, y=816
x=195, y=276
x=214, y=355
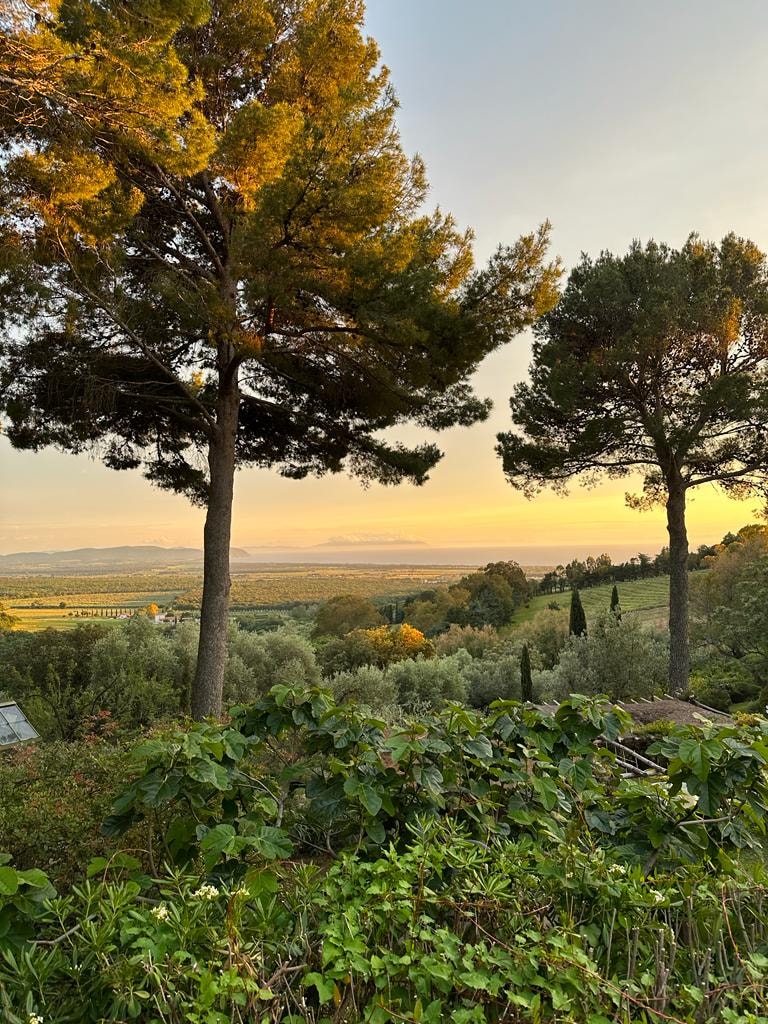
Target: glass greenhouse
x=14, y=727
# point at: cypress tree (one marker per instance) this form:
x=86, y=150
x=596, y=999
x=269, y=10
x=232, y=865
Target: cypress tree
x=578, y=621
x=615, y=604
x=526, y=683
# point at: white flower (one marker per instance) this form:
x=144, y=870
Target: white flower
x=617, y=869
x=658, y=897
x=160, y=912
x=34, y=1018
x=206, y=892
x=240, y=893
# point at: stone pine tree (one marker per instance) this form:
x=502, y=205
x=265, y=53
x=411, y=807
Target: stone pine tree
x=214, y=253
x=577, y=622
x=615, y=603
x=654, y=363
x=526, y=683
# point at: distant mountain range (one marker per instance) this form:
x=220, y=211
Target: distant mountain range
x=124, y=558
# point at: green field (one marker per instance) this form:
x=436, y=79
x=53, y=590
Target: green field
x=86, y=597
x=280, y=585
x=646, y=599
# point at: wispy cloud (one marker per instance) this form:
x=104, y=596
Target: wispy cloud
x=367, y=540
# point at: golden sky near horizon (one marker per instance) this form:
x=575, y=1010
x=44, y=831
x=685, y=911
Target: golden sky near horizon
x=553, y=115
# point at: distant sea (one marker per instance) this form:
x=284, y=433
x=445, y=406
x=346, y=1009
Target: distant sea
x=538, y=557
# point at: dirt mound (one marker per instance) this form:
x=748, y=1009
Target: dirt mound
x=678, y=711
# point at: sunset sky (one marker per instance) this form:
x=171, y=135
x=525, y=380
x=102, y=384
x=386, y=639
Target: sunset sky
x=615, y=121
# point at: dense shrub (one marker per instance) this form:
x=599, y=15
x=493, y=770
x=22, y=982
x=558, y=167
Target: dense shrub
x=720, y=682
x=430, y=683
x=485, y=868
x=485, y=598
x=618, y=658
x=341, y=614
x=496, y=676
x=257, y=660
x=506, y=931
x=138, y=672
x=547, y=632
x=53, y=800
x=65, y=678
x=475, y=641
x=381, y=646
x=368, y=686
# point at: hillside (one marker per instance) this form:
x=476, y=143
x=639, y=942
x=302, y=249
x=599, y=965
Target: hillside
x=647, y=599
x=115, y=559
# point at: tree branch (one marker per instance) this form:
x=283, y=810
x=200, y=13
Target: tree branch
x=209, y=420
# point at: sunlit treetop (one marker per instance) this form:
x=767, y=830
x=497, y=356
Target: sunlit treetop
x=200, y=193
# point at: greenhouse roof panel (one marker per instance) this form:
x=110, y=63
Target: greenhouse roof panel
x=14, y=726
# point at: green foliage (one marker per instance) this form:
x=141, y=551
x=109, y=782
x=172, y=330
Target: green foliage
x=344, y=613
x=227, y=795
x=526, y=683
x=485, y=866
x=495, y=676
x=582, y=412
x=380, y=646
x=417, y=684
x=255, y=661
x=442, y=929
x=7, y=621
x=714, y=764
x=476, y=641
x=221, y=257
x=485, y=598
x=302, y=188
x=618, y=658
x=23, y=895
x=720, y=682
x=476, y=947
x=367, y=686
x=652, y=362
x=66, y=679
x=729, y=621
x=577, y=623
x=53, y=799
x=615, y=603
x=547, y=632
x=421, y=684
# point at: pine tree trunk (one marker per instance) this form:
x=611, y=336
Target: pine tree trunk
x=679, y=657
x=208, y=687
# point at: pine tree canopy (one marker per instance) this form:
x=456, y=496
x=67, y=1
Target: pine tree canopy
x=652, y=362
x=212, y=198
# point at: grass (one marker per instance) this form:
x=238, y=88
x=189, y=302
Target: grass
x=35, y=619
x=51, y=616
x=646, y=599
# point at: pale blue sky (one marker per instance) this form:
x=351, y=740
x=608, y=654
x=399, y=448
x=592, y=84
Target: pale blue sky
x=615, y=120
